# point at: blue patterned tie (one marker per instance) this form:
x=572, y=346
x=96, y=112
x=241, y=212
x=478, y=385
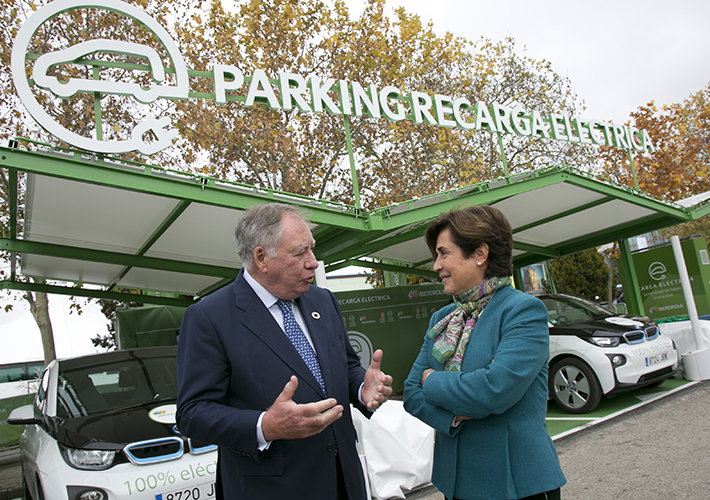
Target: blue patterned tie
x=300, y=342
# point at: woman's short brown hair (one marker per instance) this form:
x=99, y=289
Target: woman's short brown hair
x=472, y=226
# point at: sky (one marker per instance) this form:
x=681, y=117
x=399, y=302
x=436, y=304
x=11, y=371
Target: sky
x=20, y=338
x=618, y=54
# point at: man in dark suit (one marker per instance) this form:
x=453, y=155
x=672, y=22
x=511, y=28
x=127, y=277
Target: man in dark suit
x=277, y=408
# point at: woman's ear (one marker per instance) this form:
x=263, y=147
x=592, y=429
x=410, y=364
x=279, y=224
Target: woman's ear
x=481, y=254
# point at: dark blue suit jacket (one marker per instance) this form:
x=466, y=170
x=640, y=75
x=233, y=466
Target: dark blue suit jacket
x=234, y=360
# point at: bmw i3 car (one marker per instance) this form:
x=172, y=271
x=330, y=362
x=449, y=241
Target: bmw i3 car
x=103, y=427
x=596, y=352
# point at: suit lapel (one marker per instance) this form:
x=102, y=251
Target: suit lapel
x=259, y=321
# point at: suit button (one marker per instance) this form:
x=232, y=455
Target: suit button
x=330, y=447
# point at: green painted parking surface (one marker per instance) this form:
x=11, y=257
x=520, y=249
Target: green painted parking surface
x=559, y=422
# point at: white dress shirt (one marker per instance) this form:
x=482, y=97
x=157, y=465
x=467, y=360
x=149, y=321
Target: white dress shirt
x=269, y=300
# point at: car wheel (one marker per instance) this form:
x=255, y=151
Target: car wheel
x=574, y=386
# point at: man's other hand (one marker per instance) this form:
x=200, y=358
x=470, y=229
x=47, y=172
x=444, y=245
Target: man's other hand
x=377, y=386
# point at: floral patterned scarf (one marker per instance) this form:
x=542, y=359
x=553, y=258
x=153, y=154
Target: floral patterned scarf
x=452, y=333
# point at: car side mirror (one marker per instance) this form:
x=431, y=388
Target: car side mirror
x=24, y=415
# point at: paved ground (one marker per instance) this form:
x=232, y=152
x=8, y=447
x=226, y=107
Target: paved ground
x=660, y=451
x=10, y=474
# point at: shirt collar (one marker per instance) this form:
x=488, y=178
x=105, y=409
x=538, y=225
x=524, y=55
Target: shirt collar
x=264, y=295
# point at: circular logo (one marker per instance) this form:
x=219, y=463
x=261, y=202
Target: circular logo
x=164, y=414
x=362, y=346
x=150, y=135
x=657, y=271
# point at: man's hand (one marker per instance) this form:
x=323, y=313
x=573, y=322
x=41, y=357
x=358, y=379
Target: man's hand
x=377, y=386
x=288, y=420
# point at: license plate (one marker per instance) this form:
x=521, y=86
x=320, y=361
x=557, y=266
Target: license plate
x=658, y=358
x=197, y=492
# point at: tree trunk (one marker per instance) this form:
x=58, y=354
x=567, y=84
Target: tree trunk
x=39, y=306
x=610, y=286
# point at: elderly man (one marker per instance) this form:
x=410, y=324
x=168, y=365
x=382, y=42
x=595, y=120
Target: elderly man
x=266, y=372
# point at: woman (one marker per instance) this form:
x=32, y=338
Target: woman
x=480, y=379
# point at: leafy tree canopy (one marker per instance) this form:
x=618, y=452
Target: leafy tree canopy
x=583, y=274
x=300, y=152
x=679, y=167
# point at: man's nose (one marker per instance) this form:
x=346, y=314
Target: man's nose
x=311, y=261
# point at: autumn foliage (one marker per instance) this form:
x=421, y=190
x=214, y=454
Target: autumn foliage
x=300, y=152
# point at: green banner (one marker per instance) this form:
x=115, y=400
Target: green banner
x=148, y=326
x=659, y=279
x=393, y=319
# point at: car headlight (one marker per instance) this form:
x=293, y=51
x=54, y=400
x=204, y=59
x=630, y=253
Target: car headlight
x=86, y=493
x=88, y=459
x=617, y=360
x=604, y=341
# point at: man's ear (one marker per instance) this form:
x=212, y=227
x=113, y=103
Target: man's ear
x=261, y=259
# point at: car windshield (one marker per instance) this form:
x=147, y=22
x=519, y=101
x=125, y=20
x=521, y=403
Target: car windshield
x=115, y=384
x=567, y=310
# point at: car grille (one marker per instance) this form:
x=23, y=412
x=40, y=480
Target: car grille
x=635, y=336
x=651, y=332
x=659, y=373
x=198, y=447
x=154, y=451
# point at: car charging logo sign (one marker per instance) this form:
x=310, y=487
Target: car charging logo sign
x=657, y=271
x=41, y=74
x=362, y=346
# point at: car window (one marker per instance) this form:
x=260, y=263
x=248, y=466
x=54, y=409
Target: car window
x=12, y=373
x=41, y=397
x=552, y=312
x=567, y=310
x=34, y=369
x=112, y=385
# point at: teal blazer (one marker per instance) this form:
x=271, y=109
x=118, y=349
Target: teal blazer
x=504, y=452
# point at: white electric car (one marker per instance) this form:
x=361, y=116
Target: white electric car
x=596, y=352
x=103, y=428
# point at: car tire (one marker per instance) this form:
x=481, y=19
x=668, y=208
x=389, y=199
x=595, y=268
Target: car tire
x=574, y=386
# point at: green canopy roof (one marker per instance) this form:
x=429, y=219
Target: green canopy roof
x=109, y=224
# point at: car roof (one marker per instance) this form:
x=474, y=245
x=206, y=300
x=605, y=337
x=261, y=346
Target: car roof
x=114, y=356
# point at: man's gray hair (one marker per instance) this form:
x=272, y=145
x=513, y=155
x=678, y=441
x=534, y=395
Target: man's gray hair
x=260, y=226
